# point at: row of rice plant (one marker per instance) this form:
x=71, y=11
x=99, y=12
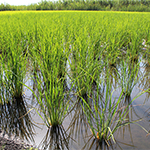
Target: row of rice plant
x=90, y=44
x=13, y=70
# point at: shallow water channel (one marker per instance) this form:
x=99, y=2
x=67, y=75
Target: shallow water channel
x=78, y=136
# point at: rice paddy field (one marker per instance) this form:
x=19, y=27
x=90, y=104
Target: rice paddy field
x=75, y=80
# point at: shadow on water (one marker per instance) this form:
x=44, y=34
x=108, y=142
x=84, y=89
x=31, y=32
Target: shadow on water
x=94, y=144
x=145, y=80
x=56, y=138
x=15, y=119
x=78, y=125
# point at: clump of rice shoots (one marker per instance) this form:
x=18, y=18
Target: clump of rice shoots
x=128, y=75
x=13, y=71
x=85, y=69
x=104, y=115
x=52, y=98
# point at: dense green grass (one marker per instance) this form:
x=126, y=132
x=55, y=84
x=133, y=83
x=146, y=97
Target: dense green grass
x=92, y=43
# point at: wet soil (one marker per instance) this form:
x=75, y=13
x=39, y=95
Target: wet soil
x=6, y=144
x=10, y=143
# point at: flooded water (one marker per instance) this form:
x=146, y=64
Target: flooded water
x=21, y=119
x=131, y=136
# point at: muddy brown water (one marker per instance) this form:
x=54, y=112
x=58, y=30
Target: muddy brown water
x=78, y=136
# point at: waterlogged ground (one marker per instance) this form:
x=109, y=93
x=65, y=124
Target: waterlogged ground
x=78, y=49
x=131, y=136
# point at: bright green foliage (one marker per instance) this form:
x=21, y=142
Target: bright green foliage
x=128, y=75
x=90, y=43
x=50, y=82
x=13, y=63
x=104, y=113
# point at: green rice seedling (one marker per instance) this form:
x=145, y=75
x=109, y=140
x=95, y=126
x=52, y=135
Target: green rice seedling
x=128, y=75
x=112, y=51
x=81, y=79
x=134, y=51
x=13, y=73
x=13, y=62
x=54, y=105
x=52, y=51
x=100, y=116
x=85, y=67
x=52, y=98
x=104, y=115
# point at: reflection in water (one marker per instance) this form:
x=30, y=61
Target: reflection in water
x=95, y=144
x=78, y=125
x=125, y=106
x=56, y=138
x=126, y=132
x=13, y=120
x=144, y=83
x=129, y=75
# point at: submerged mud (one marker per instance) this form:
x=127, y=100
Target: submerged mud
x=13, y=144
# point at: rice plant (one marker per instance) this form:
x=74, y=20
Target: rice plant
x=13, y=72
x=86, y=65
x=128, y=75
x=104, y=115
x=52, y=97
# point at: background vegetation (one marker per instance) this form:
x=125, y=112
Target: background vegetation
x=113, y=5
